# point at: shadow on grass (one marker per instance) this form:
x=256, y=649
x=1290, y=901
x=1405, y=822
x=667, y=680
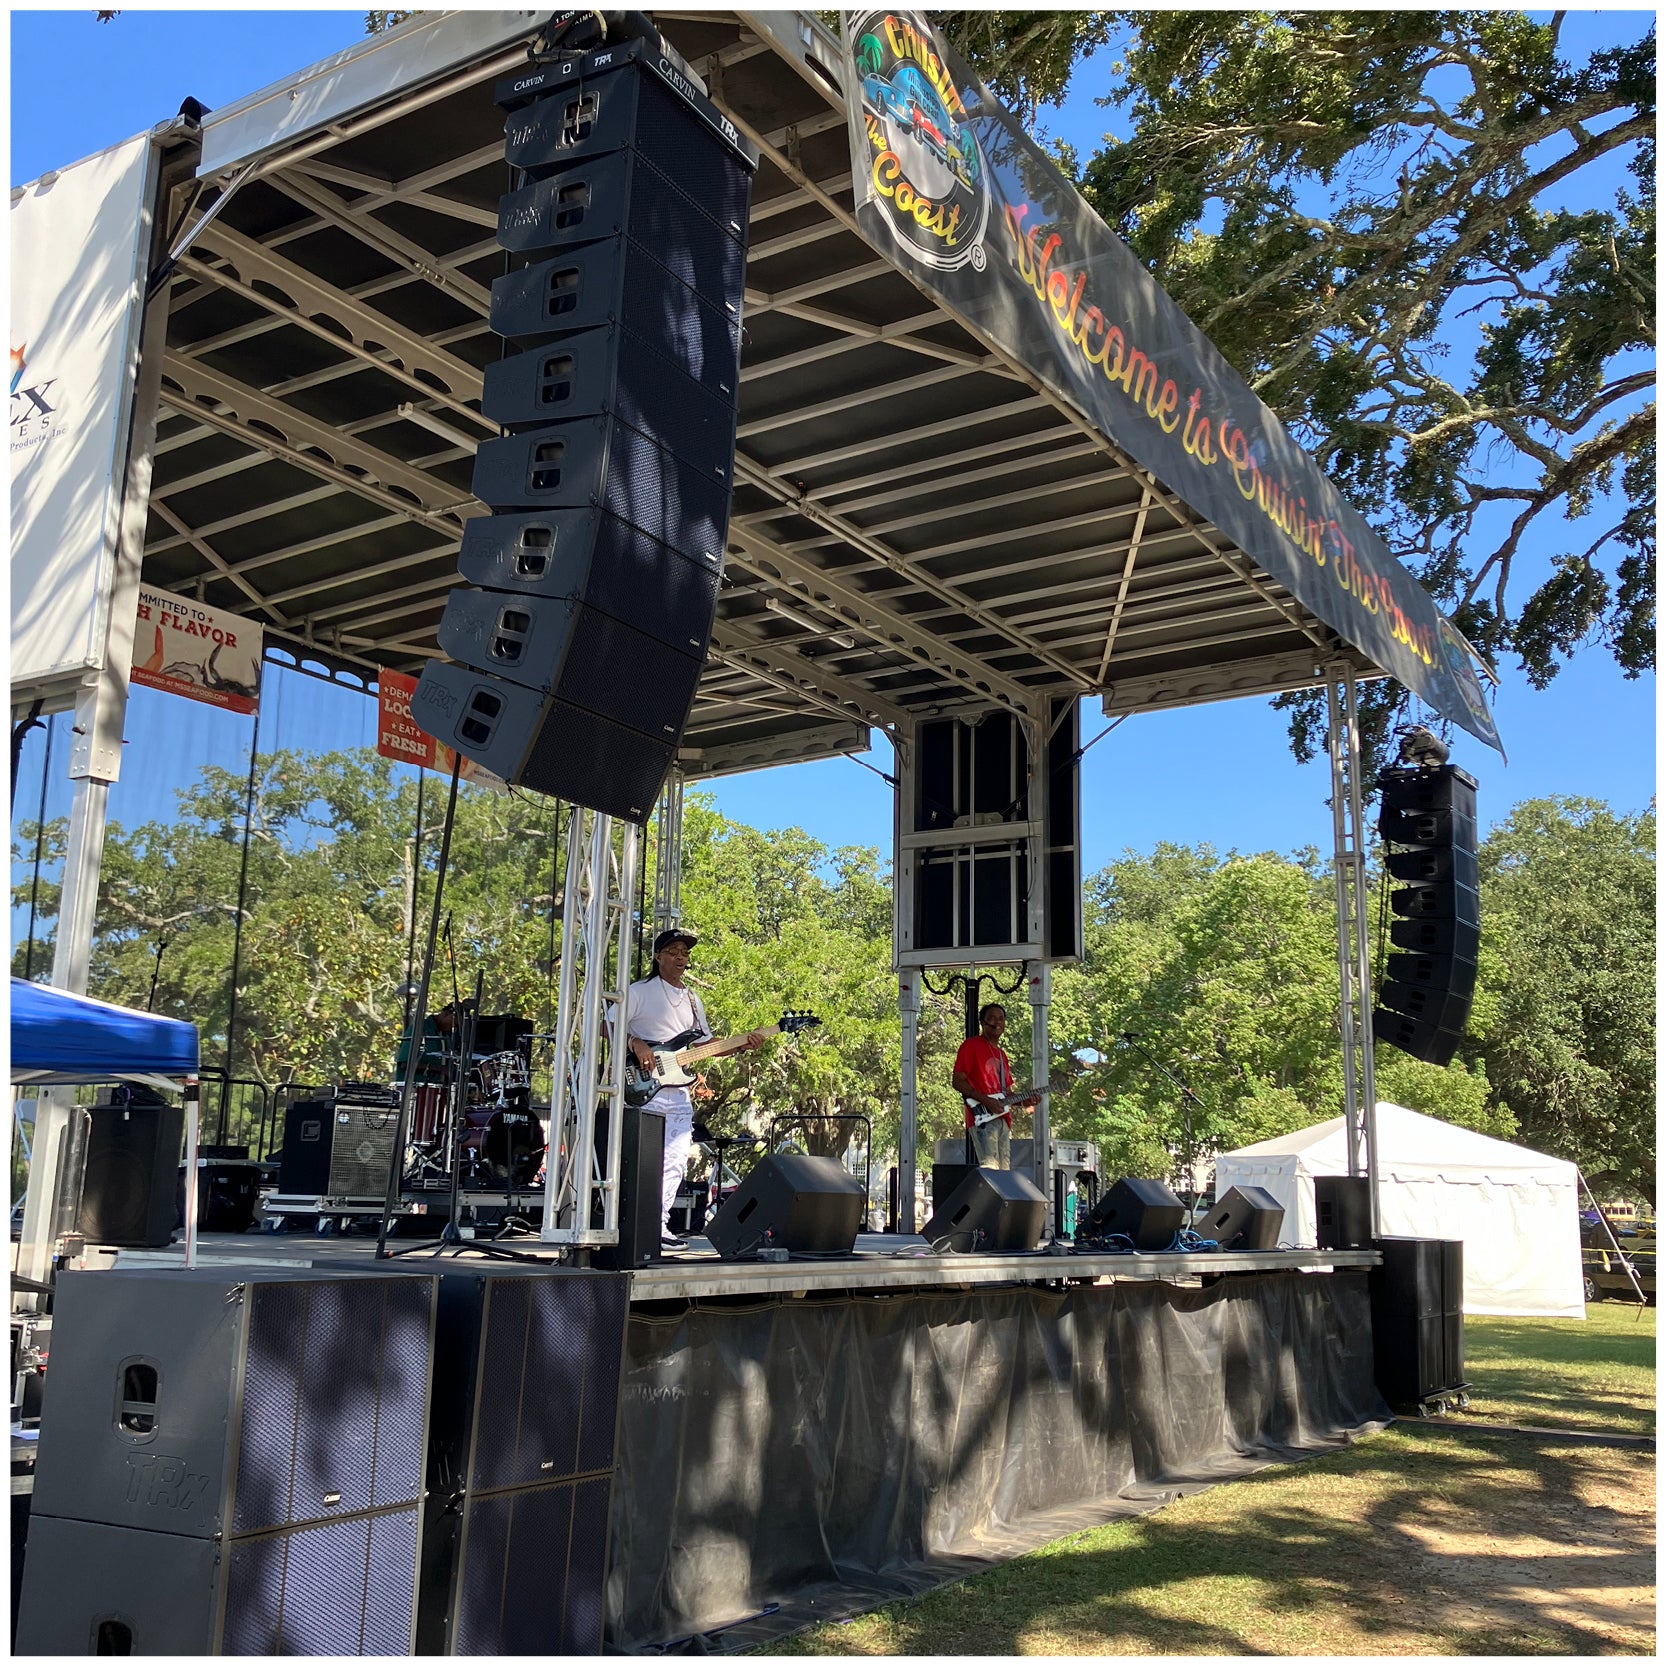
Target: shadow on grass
x=1321, y=1560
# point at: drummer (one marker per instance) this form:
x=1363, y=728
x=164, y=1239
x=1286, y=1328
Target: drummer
x=440, y=1043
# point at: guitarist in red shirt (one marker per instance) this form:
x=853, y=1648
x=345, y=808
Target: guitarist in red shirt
x=984, y=1080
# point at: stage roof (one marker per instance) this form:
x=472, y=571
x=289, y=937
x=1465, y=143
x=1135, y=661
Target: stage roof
x=919, y=525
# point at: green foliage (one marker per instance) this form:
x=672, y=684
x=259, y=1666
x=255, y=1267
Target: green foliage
x=1025, y=57
x=1335, y=198
x=1568, y=937
x=1222, y=969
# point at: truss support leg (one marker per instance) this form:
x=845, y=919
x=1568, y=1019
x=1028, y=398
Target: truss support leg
x=1354, y=961
x=908, y=1003
x=668, y=867
x=1040, y=982
x=581, y=1171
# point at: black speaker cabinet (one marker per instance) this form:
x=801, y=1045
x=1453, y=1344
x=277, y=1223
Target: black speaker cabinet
x=642, y=1162
x=541, y=741
x=790, y=1202
x=1246, y=1218
x=573, y=670
x=1418, y=1319
x=992, y=1209
x=337, y=1148
x=1342, y=1212
x=577, y=654
x=132, y=1168
x=1145, y=1212
x=946, y=1177
x=612, y=372
x=1428, y=824
x=228, y=1193
x=585, y=554
x=239, y=1457
x=521, y=1456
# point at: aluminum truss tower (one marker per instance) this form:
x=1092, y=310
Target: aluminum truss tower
x=581, y=1192
x=1354, y=961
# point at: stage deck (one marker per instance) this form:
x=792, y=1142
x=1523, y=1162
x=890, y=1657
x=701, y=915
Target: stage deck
x=880, y=1262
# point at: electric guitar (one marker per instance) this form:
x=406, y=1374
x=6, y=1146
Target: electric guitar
x=1007, y=1102
x=642, y=1085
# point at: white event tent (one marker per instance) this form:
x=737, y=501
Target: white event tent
x=1517, y=1211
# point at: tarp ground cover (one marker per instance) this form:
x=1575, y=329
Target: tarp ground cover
x=828, y=1455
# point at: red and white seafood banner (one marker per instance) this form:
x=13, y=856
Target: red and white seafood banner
x=191, y=649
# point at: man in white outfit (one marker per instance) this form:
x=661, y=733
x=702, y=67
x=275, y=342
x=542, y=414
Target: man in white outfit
x=657, y=1009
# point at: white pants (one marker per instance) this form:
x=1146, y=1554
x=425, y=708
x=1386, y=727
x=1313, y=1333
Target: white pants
x=680, y=1122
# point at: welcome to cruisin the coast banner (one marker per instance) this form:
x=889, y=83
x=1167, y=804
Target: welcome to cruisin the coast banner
x=951, y=185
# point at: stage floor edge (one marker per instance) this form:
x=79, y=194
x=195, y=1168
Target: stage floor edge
x=880, y=1262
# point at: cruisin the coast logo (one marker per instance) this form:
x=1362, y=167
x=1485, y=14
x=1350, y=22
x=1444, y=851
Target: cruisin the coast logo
x=926, y=169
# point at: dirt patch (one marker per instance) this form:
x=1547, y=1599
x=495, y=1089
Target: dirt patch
x=1570, y=1565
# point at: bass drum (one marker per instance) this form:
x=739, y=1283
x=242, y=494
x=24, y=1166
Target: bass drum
x=503, y=1147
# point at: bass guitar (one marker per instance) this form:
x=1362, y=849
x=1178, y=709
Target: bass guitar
x=1007, y=1102
x=671, y=1058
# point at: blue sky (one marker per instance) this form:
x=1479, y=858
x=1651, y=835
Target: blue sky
x=1221, y=774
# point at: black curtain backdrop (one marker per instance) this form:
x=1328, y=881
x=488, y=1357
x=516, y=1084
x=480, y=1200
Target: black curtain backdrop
x=831, y=1454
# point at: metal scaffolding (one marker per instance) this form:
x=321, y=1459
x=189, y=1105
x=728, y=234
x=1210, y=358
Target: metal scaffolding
x=1354, y=961
x=581, y=1193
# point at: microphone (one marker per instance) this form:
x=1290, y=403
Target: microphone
x=1128, y=1036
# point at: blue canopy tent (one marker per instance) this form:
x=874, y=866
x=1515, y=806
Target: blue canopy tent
x=59, y=1037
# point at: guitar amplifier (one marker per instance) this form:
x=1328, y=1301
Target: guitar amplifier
x=338, y=1149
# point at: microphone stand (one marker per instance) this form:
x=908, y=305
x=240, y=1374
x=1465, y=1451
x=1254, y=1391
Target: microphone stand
x=1188, y=1101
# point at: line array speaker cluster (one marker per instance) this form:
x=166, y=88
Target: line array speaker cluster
x=578, y=640
x=1428, y=823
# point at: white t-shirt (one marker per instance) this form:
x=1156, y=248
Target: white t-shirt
x=655, y=1012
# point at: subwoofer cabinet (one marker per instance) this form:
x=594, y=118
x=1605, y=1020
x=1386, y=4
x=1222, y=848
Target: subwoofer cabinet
x=231, y=1462
x=521, y=1460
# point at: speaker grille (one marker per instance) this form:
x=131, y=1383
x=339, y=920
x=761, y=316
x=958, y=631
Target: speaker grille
x=271, y=1402
x=362, y=1150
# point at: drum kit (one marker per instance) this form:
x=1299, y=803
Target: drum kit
x=495, y=1134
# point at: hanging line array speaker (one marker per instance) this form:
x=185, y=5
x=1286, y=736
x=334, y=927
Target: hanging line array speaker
x=576, y=643
x=1428, y=823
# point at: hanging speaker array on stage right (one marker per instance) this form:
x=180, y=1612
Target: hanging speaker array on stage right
x=576, y=645
x=1428, y=823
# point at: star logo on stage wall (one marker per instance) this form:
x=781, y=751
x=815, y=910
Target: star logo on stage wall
x=927, y=172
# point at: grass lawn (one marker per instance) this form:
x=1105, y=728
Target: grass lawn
x=1419, y=1541
x=1591, y=1374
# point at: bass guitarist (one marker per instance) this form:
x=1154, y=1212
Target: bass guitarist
x=984, y=1080
x=656, y=1009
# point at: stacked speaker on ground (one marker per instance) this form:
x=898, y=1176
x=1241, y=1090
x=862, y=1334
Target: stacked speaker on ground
x=1418, y=1319
x=1428, y=823
x=231, y=1463
x=579, y=638
x=521, y=1460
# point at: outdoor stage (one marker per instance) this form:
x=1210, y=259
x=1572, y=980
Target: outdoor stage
x=807, y=1439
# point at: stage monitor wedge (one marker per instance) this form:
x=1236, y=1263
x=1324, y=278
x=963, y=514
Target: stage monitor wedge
x=571, y=670
x=1244, y=1218
x=1145, y=1212
x=990, y=1210
x=793, y=1203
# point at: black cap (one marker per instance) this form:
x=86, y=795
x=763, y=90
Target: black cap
x=675, y=934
